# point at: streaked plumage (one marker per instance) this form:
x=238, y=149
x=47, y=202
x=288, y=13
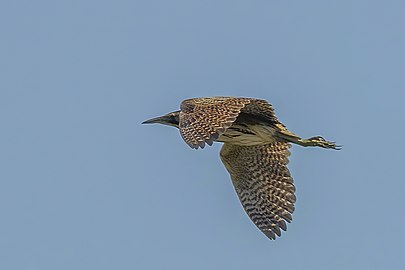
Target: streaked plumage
x=255, y=152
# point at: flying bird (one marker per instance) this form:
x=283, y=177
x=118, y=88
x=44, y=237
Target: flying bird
x=255, y=152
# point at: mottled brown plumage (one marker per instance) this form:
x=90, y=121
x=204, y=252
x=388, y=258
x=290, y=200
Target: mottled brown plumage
x=255, y=152
x=202, y=120
x=263, y=183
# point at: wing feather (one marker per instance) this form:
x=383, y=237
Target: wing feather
x=263, y=183
x=203, y=120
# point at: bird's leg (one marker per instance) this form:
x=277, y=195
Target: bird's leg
x=318, y=141
x=314, y=141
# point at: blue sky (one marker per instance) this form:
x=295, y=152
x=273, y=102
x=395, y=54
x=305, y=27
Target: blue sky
x=84, y=185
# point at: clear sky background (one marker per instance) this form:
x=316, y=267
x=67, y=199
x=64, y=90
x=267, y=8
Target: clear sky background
x=83, y=185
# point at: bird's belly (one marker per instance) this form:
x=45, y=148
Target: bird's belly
x=252, y=135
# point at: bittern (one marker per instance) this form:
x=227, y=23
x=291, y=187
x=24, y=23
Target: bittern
x=255, y=152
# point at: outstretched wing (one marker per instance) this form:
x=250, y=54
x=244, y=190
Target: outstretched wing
x=202, y=120
x=263, y=183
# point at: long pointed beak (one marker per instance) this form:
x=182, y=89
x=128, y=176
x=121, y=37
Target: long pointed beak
x=156, y=120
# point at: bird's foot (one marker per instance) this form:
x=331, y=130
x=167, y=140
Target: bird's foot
x=320, y=142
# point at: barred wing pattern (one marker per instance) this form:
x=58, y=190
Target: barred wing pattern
x=203, y=120
x=263, y=183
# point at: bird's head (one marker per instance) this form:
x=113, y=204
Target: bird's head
x=170, y=119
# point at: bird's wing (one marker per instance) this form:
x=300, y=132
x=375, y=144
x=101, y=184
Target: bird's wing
x=202, y=120
x=261, y=109
x=263, y=183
